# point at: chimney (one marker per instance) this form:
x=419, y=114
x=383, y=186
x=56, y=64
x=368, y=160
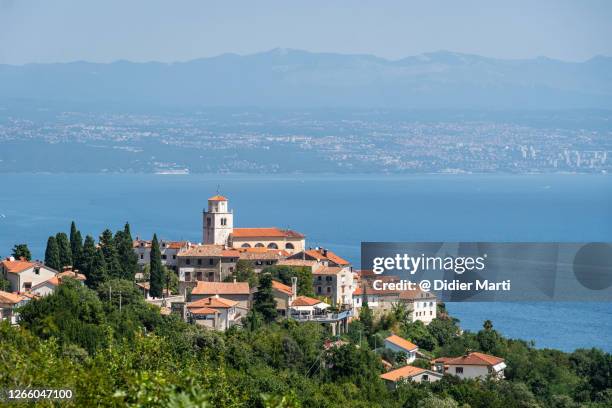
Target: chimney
x=11, y=258
x=324, y=251
x=294, y=286
x=234, y=279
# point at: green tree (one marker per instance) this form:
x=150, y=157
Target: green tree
x=64, y=249
x=417, y=333
x=157, y=281
x=366, y=317
x=22, y=251
x=244, y=273
x=285, y=273
x=76, y=246
x=52, y=254
x=125, y=249
x=5, y=284
x=92, y=263
x=111, y=257
x=263, y=300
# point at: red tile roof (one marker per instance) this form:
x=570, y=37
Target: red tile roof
x=403, y=372
x=212, y=302
x=326, y=254
x=281, y=287
x=305, y=301
x=208, y=250
x=217, y=198
x=262, y=253
x=221, y=288
x=328, y=270
x=10, y=298
x=204, y=311
x=473, y=358
x=72, y=274
x=18, y=266
x=271, y=232
x=401, y=342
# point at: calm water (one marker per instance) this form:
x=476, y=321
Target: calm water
x=339, y=212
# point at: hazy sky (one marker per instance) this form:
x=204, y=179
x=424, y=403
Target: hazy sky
x=144, y=30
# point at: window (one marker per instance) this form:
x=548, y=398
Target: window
x=173, y=256
x=289, y=245
x=199, y=262
x=424, y=377
x=328, y=289
x=199, y=276
x=37, y=271
x=27, y=285
x=223, y=221
x=246, y=245
x=319, y=278
x=328, y=278
x=187, y=276
x=164, y=256
x=208, y=222
x=141, y=256
x=259, y=245
x=211, y=261
x=272, y=245
x=318, y=289
x=458, y=370
x=188, y=261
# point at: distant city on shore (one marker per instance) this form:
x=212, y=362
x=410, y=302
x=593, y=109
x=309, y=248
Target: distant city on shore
x=303, y=141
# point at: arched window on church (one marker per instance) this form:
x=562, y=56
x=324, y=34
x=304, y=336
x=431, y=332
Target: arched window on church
x=272, y=245
x=289, y=245
x=259, y=245
x=223, y=221
x=246, y=245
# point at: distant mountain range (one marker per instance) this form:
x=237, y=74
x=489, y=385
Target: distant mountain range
x=285, y=78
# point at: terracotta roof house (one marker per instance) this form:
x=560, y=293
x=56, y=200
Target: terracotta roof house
x=23, y=274
x=409, y=373
x=400, y=345
x=471, y=365
x=216, y=312
x=8, y=303
x=236, y=291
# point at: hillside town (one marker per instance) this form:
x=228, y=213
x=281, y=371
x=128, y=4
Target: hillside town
x=209, y=295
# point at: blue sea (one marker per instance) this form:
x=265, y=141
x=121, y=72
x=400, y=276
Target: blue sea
x=339, y=212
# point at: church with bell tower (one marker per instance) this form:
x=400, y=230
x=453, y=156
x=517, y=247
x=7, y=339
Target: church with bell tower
x=218, y=221
x=218, y=229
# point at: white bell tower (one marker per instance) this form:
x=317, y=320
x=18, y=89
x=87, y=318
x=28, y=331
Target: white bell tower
x=218, y=221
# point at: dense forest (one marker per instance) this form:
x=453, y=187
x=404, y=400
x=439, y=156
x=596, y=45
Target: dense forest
x=120, y=351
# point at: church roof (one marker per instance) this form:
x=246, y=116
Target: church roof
x=217, y=198
x=271, y=232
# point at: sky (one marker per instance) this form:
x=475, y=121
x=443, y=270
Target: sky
x=154, y=30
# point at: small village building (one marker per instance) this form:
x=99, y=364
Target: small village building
x=9, y=302
x=409, y=373
x=216, y=312
x=471, y=365
x=24, y=275
x=260, y=258
x=400, y=345
x=169, y=252
x=236, y=291
x=50, y=285
x=209, y=263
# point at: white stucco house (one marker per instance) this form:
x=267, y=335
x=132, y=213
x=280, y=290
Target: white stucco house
x=471, y=365
x=24, y=275
x=400, y=345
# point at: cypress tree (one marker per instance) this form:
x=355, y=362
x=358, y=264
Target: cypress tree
x=87, y=258
x=263, y=300
x=157, y=270
x=97, y=271
x=111, y=257
x=76, y=246
x=64, y=249
x=22, y=251
x=52, y=254
x=127, y=256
